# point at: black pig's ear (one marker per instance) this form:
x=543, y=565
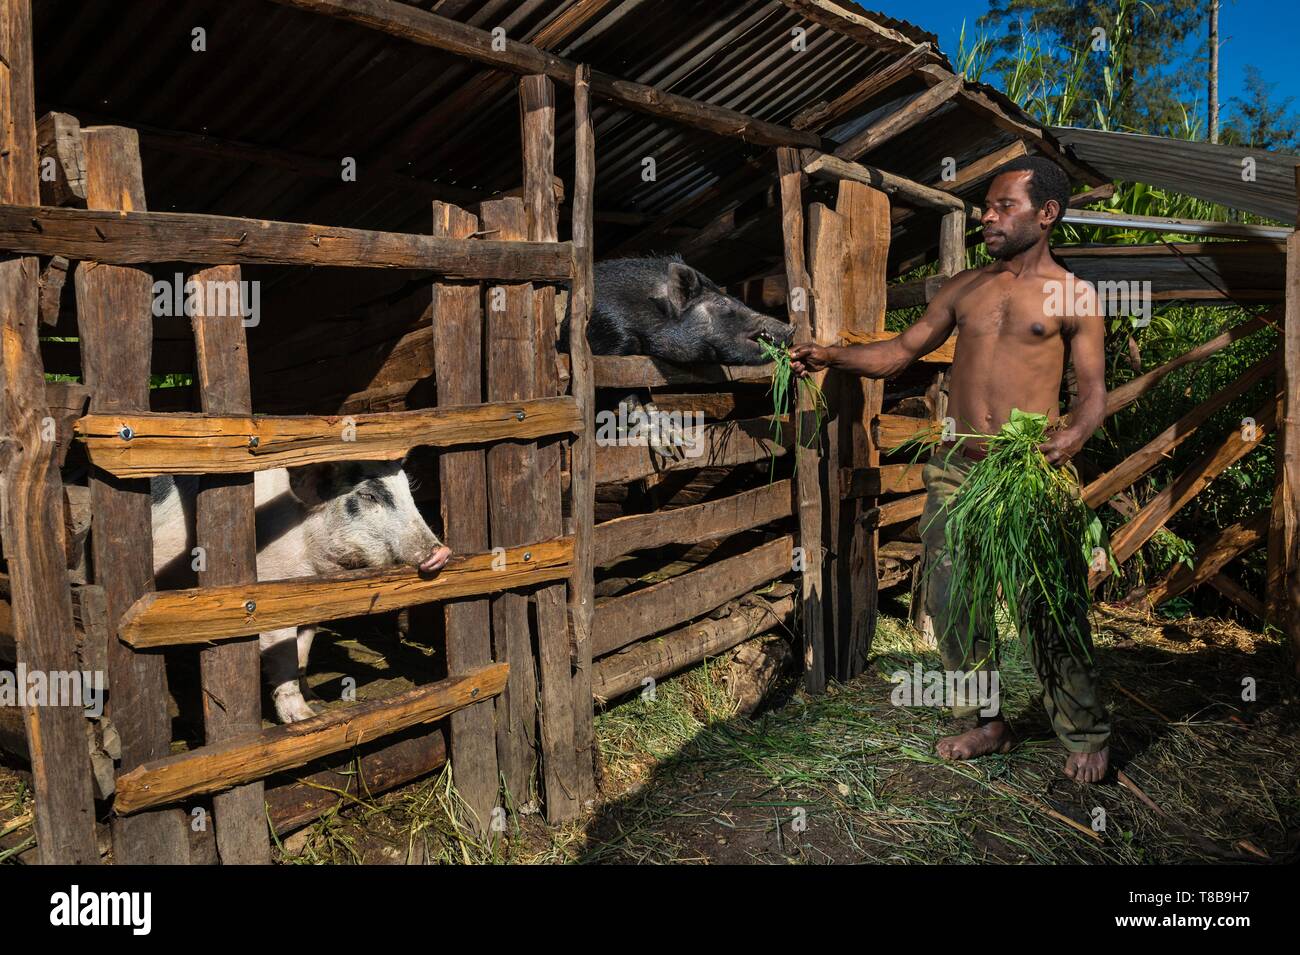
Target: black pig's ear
x=683, y=284
x=313, y=484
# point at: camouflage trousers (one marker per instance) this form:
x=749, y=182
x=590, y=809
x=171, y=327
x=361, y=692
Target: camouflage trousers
x=1069, y=684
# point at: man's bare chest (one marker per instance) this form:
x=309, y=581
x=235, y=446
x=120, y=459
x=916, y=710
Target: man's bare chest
x=1008, y=311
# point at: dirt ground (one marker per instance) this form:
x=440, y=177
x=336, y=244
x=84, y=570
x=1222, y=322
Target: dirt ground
x=1201, y=772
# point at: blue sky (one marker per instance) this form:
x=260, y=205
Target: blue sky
x=1250, y=31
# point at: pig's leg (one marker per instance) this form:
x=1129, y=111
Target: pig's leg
x=643, y=424
x=305, y=637
x=280, y=669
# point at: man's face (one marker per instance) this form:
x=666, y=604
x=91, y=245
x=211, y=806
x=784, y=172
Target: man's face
x=1011, y=223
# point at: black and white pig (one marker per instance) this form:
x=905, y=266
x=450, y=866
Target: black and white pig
x=663, y=308
x=312, y=520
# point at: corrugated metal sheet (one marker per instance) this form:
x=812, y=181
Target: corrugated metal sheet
x=1207, y=170
x=1252, y=271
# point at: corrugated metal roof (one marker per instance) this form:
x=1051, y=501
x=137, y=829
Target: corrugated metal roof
x=1188, y=271
x=1207, y=170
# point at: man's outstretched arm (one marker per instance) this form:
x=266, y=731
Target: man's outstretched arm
x=888, y=358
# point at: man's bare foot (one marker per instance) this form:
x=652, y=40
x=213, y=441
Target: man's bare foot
x=995, y=736
x=1088, y=767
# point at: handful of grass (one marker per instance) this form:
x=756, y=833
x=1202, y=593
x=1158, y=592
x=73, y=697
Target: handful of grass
x=781, y=392
x=1021, y=539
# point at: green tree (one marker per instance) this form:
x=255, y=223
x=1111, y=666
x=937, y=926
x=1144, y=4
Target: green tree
x=1259, y=121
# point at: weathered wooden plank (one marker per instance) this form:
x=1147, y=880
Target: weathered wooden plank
x=623, y=620
x=225, y=529
x=239, y=444
x=825, y=166
x=457, y=355
x=1212, y=555
x=1289, y=432
x=897, y=511
x=815, y=590
x=114, y=320
x=885, y=479
x=641, y=371
x=582, y=482
x=201, y=614
x=1124, y=474
x=694, y=523
x=63, y=161
x=512, y=497
x=892, y=431
x=138, y=237
x=723, y=444
x=554, y=670
x=1171, y=499
x=219, y=766
x=899, y=121
x=418, y=26
x=623, y=672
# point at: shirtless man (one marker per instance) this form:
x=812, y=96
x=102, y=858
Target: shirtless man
x=1017, y=316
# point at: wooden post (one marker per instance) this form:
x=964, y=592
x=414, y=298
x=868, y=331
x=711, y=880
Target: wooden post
x=537, y=121
x=582, y=485
x=867, y=228
x=512, y=500
x=31, y=497
x=458, y=362
x=114, y=306
x=225, y=529
x=1289, y=435
x=807, y=484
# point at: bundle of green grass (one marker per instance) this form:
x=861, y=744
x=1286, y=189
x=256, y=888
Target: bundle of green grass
x=1022, y=540
x=782, y=394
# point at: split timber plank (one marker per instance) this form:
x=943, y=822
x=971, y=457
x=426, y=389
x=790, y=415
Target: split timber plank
x=815, y=591
x=1213, y=554
x=59, y=140
x=225, y=528
x=140, y=238
x=834, y=169
x=892, y=431
x=582, y=481
x=229, y=444
x=554, y=672
x=693, y=524
x=724, y=444
x=641, y=371
x=898, y=511
x=457, y=355
x=670, y=603
x=218, y=766
x=1290, y=441
x=885, y=479
x=115, y=323
x=513, y=497
x=199, y=615
x=1171, y=499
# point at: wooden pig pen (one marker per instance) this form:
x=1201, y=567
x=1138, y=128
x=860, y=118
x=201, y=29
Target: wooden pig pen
x=427, y=325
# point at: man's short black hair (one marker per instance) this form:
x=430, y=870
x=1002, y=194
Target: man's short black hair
x=1048, y=181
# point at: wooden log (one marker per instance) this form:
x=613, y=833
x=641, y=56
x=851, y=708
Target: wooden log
x=892, y=431
x=834, y=169
x=114, y=320
x=138, y=237
x=512, y=497
x=1212, y=555
x=900, y=121
x=670, y=603
x=1171, y=499
x=201, y=614
x=554, y=672
x=1124, y=474
x=225, y=529
x=457, y=354
x=240, y=444
x=373, y=769
x=62, y=159
x=53, y=277
x=582, y=482
x=1238, y=594
x=428, y=29
x=66, y=401
x=883, y=479
x=219, y=766
x=815, y=587
x=641, y=371
x=692, y=524
x=672, y=652
x=969, y=174
x=724, y=444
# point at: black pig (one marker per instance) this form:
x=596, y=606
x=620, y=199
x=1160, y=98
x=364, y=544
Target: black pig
x=663, y=308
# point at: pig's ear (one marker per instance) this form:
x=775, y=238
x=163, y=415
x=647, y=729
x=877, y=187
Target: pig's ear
x=683, y=284
x=312, y=483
